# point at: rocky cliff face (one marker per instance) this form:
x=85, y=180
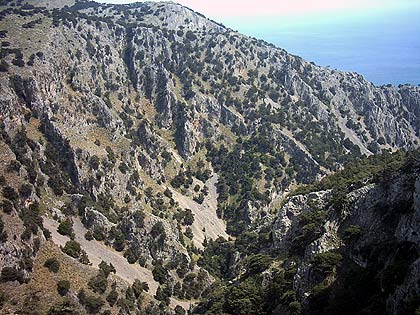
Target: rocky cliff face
x=376, y=231
x=122, y=115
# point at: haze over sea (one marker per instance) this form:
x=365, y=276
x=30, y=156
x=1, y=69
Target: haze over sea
x=384, y=48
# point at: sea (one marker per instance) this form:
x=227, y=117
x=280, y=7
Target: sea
x=384, y=46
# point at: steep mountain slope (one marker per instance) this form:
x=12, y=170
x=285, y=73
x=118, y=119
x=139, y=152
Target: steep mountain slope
x=160, y=130
x=348, y=245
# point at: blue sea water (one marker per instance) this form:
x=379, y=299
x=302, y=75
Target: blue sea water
x=384, y=47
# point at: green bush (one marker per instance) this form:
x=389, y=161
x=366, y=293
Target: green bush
x=32, y=218
x=179, y=310
x=25, y=190
x=52, y=264
x=10, y=193
x=188, y=217
x=63, y=287
x=65, y=227
x=94, y=162
x=11, y=274
x=119, y=242
x=3, y=234
x=258, y=263
x=72, y=248
x=189, y=233
x=4, y=66
x=353, y=231
x=131, y=255
x=112, y=297
x=159, y=234
x=91, y=303
x=199, y=199
x=64, y=307
x=190, y=35
x=138, y=287
x=98, y=283
x=83, y=258
x=295, y=308
x=163, y=294
x=216, y=257
x=89, y=236
x=106, y=269
x=160, y=274
x=327, y=261
x=7, y=206
x=168, y=193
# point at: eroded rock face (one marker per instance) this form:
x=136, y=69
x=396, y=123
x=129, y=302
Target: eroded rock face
x=285, y=226
x=386, y=216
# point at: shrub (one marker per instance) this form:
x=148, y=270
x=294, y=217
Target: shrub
x=189, y=233
x=353, y=231
x=112, y=297
x=91, y=303
x=168, y=193
x=94, y=162
x=179, y=310
x=72, y=248
x=258, y=263
x=3, y=234
x=199, y=199
x=295, y=307
x=132, y=255
x=138, y=287
x=98, y=283
x=327, y=261
x=106, y=269
x=84, y=259
x=65, y=227
x=123, y=167
x=4, y=66
x=11, y=274
x=190, y=35
x=7, y=206
x=163, y=294
x=64, y=307
x=157, y=229
x=89, y=236
x=63, y=287
x=46, y=233
x=52, y=264
x=25, y=190
x=31, y=218
x=98, y=235
x=68, y=209
x=119, y=242
x=18, y=62
x=10, y=193
x=188, y=217
x=160, y=274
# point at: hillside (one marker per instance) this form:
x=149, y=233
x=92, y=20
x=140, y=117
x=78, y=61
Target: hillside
x=158, y=139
